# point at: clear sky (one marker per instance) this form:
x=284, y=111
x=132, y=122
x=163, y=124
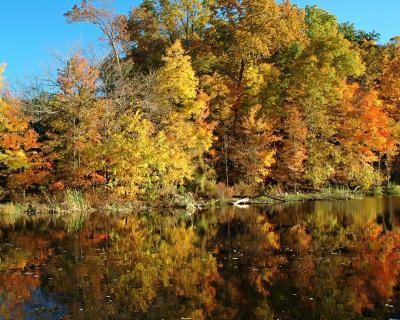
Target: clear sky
x=32, y=32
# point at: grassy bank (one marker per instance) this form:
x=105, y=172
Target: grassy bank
x=75, y=201
x=329, y=194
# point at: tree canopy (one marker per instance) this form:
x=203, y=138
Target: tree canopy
x=196, y=93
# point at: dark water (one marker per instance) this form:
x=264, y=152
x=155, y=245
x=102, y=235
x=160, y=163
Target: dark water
x=322, y=260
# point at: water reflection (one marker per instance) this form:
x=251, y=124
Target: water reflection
x=322, y=260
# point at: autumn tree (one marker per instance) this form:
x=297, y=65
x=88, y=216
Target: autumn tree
x=367, y=138
x=21, y=164
x=371, y=53
x=135, y=156
x=112, y=26
x=253, y=151
x=184, y=20
x=250, y=31
x=154, y=151
x=315, y=88
x=185, y=126
x=235, y=91
x=389, y=93
x=146, y=43
x=177, y=79
x=390, y=82
x=74, y=126
x=293, y=152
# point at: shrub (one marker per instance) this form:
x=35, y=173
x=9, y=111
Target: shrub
x=224, y=192
x=393, y=188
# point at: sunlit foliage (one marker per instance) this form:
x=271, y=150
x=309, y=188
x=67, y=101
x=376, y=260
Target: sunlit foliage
x=195, y=93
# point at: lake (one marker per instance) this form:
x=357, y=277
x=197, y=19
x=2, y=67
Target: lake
x=300, y=260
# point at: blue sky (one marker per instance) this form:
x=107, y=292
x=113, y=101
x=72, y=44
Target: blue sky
x=33, y=32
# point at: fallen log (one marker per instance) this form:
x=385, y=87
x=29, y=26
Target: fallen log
x=260, y=195
x=241, y=202
x=273, y=197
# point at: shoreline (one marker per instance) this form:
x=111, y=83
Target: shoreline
x=80, y=204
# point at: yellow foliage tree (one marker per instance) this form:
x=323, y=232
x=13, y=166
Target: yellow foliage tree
x=136, y=157
x=186, y=129
x=2, y=67
x=177, y=79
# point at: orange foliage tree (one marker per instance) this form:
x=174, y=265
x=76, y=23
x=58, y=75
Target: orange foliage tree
x=75, y=126
x=21, y=164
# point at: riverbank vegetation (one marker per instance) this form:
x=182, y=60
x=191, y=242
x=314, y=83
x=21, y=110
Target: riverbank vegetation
x=207, y=99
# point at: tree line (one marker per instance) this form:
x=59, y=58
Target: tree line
x=196, y=94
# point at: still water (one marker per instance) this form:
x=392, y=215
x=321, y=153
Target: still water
x=313, y=260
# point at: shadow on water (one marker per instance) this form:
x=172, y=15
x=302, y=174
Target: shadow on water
x=311, y=260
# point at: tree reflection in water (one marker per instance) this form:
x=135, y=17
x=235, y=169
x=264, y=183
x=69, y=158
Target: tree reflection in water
x=319, y=260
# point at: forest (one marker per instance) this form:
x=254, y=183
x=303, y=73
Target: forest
x=211, y=98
